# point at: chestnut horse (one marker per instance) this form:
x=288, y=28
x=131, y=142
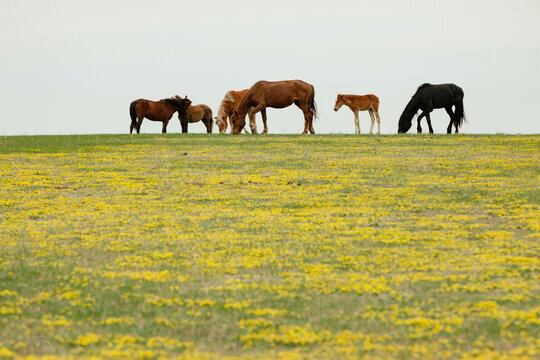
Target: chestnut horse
x=276, y=94
x=161, y=110
x=361, y=103
x=195, y=113
x=229, y=103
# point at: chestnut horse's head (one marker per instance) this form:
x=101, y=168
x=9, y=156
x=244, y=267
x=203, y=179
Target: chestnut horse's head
x=238, y=122
x=339, y=102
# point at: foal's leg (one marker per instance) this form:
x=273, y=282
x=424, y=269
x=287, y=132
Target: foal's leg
x=372, y=120
x=378, y=121
x=356, y=123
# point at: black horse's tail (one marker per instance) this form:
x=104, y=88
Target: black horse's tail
x=460, y=112
x=312, y=107
x=133, y=114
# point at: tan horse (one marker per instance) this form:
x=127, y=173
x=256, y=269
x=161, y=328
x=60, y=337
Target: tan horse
x=276, y=94
x=228, y=105
x=196, y=113
x=161, y=110
x=361, y=103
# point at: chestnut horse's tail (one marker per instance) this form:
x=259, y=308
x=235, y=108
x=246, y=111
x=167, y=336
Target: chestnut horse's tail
x=133, y=113
x=312, y=107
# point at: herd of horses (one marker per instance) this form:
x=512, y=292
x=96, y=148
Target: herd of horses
x=281, y=94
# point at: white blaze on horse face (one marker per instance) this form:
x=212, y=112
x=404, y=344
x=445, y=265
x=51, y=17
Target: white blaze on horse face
x=338, y=104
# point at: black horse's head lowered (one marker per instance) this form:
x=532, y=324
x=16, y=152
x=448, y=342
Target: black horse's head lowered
x=429, y=97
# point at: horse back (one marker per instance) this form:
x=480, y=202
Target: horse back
x=279, y=94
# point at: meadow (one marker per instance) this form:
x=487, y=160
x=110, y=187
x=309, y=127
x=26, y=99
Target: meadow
x=270, y=247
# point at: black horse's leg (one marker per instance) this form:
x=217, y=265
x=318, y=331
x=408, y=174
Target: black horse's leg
x=428, y=118
x=419, y=128
x=452, y=117
x=184, y=126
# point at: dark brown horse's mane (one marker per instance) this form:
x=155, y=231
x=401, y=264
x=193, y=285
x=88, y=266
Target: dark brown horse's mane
x=178, y=102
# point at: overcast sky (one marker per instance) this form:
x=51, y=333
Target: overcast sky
x=73, y=67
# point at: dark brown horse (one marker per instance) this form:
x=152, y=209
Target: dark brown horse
x=276, y=94
x=161, y=110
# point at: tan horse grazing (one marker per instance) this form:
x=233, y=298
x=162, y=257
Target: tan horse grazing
x=196, y=113
x=276, y=94
x=161, y=110
x=361, y=103
x=229, y=103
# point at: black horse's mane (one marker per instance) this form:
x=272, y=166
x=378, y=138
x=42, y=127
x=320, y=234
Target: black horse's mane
x=424, y=85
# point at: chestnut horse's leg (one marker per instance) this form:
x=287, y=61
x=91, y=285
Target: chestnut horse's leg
x=164, y=128
x=139, y=123
x=263, y=114
x=252, y=112
x=252, y=124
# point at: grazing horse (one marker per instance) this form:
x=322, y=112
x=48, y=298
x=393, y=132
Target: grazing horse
x=195, y=113
x=276, y=94
x=161, y=110
x=429, y=97
x=361, y=103
x=230, y=103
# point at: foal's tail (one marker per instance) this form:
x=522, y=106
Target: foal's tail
x=133, y=113
x=312, y=107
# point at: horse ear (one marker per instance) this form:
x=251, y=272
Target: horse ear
x=185, y=97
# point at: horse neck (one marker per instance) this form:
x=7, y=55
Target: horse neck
x=224, y=109
x=170, y=108
x=411, y=108
x=244, y=105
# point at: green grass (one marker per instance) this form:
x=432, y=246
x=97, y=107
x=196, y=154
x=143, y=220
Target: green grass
x=276, y=246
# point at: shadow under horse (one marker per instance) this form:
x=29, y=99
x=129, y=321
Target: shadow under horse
x=429, y=97
x=276, y=94
x=161, y=110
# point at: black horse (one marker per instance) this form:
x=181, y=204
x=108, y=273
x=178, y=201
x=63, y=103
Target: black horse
x=429, y=97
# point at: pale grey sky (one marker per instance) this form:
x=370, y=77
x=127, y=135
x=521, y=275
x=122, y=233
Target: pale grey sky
x=73, y=67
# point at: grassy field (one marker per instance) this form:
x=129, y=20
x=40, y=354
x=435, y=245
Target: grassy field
x=270, y=247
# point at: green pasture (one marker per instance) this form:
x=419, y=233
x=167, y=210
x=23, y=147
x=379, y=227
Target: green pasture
x=270, y=247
